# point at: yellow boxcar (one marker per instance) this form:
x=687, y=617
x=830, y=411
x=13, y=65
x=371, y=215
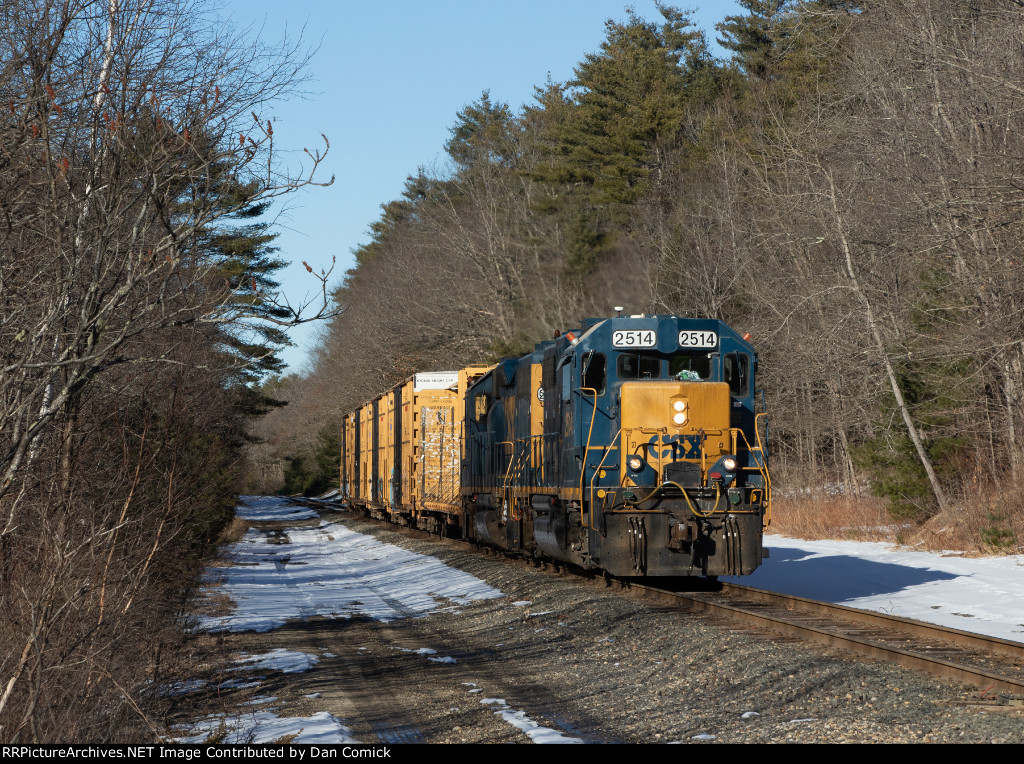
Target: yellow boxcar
x=402, y=451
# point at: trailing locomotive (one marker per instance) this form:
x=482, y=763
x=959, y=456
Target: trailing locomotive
x=630, y=445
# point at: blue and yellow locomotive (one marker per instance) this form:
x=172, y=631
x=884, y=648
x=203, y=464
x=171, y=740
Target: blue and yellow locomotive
x=631, y=445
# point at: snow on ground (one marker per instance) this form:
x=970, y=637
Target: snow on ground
x=281, y=659
x=250, y=726
x=260, y=700
x=329, y=571
x=271, y=508
x=982, y=595
x=267, y=727
x=241, y=684
x=521, y=721
x=175, y=689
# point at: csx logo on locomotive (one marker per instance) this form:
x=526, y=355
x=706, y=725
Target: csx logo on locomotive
x=671, y=446
x=632, y=444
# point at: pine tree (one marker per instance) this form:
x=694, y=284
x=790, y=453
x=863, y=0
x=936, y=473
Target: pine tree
x=606, y=132
x=777, y=41
x=246, y=263
x=756, y=40
x=418, y=188
x=484, y=132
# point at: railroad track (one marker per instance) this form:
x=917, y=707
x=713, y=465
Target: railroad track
x=996, y=666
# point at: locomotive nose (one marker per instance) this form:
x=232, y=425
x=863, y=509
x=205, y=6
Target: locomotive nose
x=670, y=423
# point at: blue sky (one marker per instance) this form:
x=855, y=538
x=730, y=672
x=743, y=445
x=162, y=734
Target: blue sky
x=387, y=81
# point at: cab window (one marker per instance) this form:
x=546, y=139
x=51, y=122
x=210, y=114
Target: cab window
x=638, y=366
x=690, y=367
x=594, y=372
x=736, y=370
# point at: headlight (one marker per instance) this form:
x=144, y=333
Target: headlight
x=679, y=418
x=635, y=463
x=729, y=463
x=679, y=405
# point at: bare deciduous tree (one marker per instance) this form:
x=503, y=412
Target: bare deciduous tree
x=133, y=130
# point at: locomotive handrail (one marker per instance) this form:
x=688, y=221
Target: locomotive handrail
x=538, y=466
x=764, y=464
x=762, y=467
x=610, y=449
x=513, y=463
x=583, y=467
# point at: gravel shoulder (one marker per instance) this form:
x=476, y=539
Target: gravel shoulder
x=589, y=663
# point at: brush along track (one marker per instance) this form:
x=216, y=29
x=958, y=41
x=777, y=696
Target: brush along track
x=989, y=663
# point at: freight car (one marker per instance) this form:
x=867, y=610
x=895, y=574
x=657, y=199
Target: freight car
x=631, y=445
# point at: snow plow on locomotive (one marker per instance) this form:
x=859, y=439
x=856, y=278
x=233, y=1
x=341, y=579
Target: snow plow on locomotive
x=631, y=445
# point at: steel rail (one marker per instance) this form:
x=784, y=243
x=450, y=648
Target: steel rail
x=959, y=637
x=909, y=658
x=717, y=604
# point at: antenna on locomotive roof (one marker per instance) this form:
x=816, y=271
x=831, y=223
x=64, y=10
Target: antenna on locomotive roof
x=618, y=311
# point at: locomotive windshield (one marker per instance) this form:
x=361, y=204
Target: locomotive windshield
x=639, y=365
x=690, y=366
x=651, y=365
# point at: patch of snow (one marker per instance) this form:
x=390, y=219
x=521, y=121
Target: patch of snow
x=749, y=714
x=445, y=659
x=175, y=689
x=271, y=509
x=266, y=727
x=703, y=736
x=333, y=572
x=263, y=699
x=285, y=661
x=521, y=721
x=312, y=695
x=240, y=684
x=521, y=603
x=899, y=581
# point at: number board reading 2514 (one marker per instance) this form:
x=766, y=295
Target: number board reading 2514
x=634, y=338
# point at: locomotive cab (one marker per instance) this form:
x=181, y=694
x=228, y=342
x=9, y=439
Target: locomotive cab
x=662, y=468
